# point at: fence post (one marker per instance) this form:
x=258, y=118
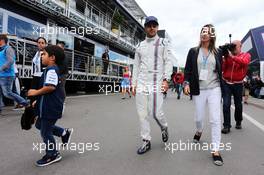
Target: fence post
x=72, y=64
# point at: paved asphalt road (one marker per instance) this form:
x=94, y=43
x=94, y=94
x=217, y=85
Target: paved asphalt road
x=106, y=137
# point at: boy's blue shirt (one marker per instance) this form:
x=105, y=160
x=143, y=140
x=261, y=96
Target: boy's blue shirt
x=50, y=105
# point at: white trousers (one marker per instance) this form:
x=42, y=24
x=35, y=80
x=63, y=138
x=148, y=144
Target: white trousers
x=212, y=98
x=150, y=104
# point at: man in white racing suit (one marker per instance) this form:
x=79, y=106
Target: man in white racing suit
x=151, y=72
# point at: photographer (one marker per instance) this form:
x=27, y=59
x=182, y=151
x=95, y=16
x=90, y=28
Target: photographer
x=234, y=68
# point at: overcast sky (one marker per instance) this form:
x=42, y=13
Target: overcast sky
x=183, y=19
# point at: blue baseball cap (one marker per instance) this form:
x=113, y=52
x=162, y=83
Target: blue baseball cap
x=151, y=19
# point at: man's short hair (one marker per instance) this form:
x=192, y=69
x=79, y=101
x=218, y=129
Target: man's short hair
x=4, y=37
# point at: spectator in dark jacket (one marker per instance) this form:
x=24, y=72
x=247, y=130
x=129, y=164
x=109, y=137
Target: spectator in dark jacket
x=258, y=85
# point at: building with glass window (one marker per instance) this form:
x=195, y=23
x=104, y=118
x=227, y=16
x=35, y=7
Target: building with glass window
x=87, y=27
x=253, y=43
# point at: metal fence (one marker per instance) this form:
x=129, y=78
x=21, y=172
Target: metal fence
x=82, y=66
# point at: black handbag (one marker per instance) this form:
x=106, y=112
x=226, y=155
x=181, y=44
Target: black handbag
x=28, y=118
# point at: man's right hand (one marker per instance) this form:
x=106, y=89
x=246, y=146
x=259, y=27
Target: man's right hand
x=187, y=90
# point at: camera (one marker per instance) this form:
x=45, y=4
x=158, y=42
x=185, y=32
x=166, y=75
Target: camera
x=228, y=47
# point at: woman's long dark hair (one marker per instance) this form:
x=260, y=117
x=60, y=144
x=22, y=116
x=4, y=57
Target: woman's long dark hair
x=42, y=39
x=212, y=35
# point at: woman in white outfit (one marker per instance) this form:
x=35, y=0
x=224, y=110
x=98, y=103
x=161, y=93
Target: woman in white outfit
x=203, y=81
x=37, y=67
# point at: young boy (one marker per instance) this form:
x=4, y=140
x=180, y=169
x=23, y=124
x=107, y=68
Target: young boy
x=50, y=104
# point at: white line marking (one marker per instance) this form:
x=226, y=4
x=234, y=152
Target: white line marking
x=252, y=120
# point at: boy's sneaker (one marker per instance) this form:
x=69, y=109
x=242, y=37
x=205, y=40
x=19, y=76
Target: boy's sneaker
x=145, y=147
x=47, y=160
x=165, y=134
x=67, y=137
